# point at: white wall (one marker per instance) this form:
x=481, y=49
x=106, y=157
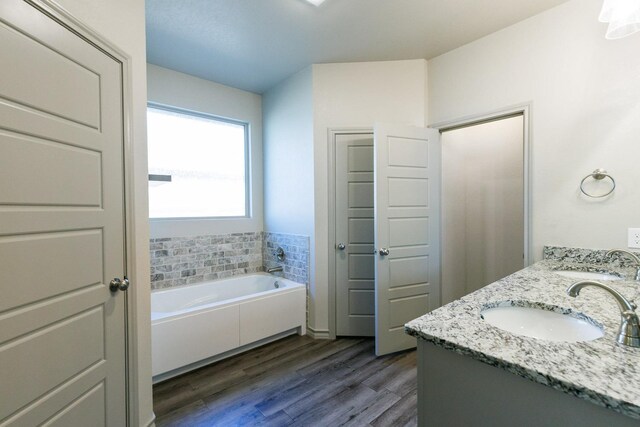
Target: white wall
x=181, y=90
x=288, y=162
x=288, y=156
x=346, y=96
x=584, y=93
x=482, y=205
x=122, y=23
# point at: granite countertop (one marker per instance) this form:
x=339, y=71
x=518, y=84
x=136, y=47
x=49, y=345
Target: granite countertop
x=600, y=371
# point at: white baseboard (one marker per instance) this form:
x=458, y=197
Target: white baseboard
x=318, y=334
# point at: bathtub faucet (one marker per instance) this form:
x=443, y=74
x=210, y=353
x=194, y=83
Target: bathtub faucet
x=274, y=269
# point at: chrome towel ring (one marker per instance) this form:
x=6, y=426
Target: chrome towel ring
x=598, y=175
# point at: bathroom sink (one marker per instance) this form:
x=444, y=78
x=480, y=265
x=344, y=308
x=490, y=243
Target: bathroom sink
x=541, y=323
x=587, y=275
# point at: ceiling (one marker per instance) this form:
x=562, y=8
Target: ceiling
x=255, y=44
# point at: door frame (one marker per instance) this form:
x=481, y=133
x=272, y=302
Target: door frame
x=331, y=206
x=132, y=360
x=523, y=110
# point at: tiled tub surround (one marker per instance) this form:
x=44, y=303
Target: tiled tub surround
x=177, y=261
x=600, y=371
x=296, y=261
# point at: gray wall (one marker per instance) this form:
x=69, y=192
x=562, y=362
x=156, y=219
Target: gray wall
x=288, y=156
x=288, y=170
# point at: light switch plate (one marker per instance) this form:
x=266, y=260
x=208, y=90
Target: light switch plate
x=634, y=238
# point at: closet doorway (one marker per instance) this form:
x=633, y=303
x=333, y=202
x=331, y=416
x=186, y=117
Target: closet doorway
x=484, y=203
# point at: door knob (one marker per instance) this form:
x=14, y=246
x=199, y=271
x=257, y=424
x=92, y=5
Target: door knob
x=341, y=246
x=384, y=251
x=119, y=285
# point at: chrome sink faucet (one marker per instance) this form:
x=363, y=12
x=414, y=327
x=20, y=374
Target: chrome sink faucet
x=629, y=332
x=633, y=256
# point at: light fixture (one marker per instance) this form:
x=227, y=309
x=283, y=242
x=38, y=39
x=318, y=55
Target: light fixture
x=316, y=2
x=623, y=17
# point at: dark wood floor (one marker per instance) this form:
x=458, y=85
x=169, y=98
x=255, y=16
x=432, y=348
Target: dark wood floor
x=296, y=381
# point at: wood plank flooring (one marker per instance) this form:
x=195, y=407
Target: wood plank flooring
x=296, y=381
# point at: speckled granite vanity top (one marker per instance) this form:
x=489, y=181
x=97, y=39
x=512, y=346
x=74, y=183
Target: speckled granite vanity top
x=600, y=371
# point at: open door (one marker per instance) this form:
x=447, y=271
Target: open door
x=407, y=230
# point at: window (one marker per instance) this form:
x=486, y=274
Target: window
x=197, y=165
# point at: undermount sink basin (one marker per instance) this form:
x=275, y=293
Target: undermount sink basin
x=541, y=323
x=587, y=275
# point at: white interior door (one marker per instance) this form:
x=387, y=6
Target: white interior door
x=355, y=299
x=62, y=332
x=407, y=228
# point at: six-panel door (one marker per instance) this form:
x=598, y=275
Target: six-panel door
x=355, y=272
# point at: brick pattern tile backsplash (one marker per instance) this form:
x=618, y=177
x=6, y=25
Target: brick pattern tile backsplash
x=296, y=261
x=177, y=261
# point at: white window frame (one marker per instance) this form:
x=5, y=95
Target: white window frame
x=247, y=159
x=194, y=226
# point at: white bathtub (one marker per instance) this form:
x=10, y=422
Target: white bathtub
x=197, y=324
